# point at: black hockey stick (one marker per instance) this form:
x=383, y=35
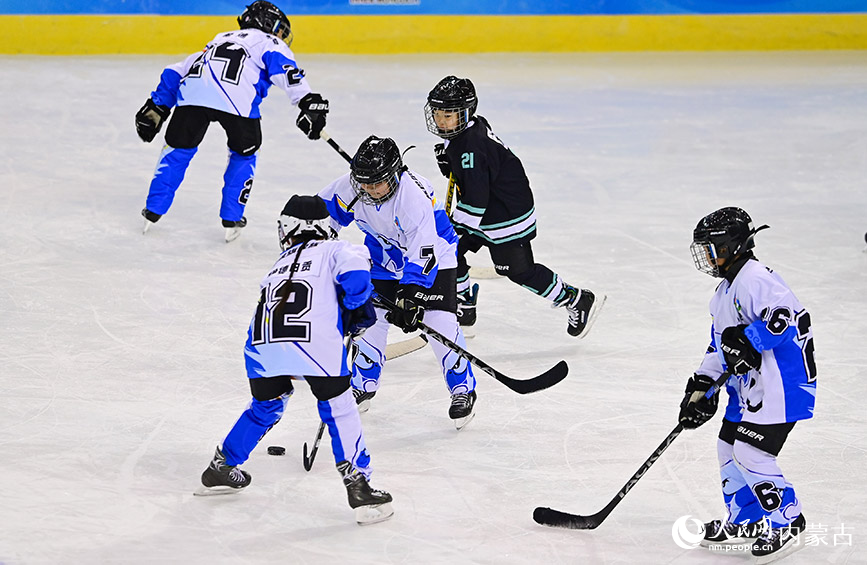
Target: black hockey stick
x=335, y=146
x=343, y=154
x=549, y=517
x=547, y=379
x=308, y=461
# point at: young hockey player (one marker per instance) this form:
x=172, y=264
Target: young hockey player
x=761, y=334
x=316, y=295
x=494, y=206
x=412, y=247
x=225, y=83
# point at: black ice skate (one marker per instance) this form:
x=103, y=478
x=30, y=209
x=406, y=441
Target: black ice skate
x=583, y=307
x=723, y=532
x=776, y=543
x=467, y=306
x=370, y=505
x=220, y=478
x=362, y=399
x=150, y=219
x=461, y=410
x=233, y=229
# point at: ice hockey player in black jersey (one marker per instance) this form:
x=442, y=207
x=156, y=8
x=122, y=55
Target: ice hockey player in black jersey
x=494, y=206
x=225, y=83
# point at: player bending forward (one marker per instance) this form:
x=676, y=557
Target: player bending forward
x=761, y=334
x=317, y=293
x=412, y=247
x=225, y=83
x=494, y=206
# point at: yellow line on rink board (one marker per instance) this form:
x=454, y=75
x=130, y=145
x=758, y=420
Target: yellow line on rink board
x=140, y=34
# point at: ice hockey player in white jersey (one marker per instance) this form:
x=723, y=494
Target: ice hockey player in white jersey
x=315, y=297
x=225, y=83
x=761, y=334
x=494, y=206
x=412, y=248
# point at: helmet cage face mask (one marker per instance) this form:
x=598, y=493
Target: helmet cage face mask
x=392, y=178
x=705, y=257
x=463, y=118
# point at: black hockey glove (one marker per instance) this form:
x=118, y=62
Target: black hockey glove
x=695, y=409
x=149, y=119
x=409, y=307
x=442, y=159
x=311, y=120
x=358, y=320
x=739, y=353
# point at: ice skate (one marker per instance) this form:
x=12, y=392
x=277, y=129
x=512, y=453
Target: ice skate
x=583, y=308
x=467, y=306
x=149, y=219
x=233, y=229
x=776, y=543
x=370, y=505
x=723, y=533
x=362, y=399
x=220, y=478
x=461, y=410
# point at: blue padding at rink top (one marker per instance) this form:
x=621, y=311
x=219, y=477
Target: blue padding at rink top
x=432, y=7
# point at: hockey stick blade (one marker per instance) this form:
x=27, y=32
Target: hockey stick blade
x=550, y=517
x=308, y=461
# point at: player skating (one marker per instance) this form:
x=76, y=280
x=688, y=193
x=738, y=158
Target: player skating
x=762, y=335
x=225, y=83
x=316, y=293
x=494, y=206
x=412, y=247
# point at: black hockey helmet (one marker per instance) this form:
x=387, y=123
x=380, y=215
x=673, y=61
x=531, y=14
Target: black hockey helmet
x=377, y=161
x=304, y=217
x=720, y=237
x=267, y=17
x=451, y=95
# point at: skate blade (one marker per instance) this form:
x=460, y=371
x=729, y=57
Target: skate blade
x=461, y=423
x=215, y=491
x=594, y=313
x=232, y=234
x=721, y=545
x=364, y=406
x=147, y=225
x=793, y=546
x=366, y=515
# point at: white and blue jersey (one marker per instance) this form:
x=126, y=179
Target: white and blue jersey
x=233, y=74
x=301, y=333
x=778, y=326
x=406, y=242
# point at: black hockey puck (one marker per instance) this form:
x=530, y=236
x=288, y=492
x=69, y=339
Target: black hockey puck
x=276, y=450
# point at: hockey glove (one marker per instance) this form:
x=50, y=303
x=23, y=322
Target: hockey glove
x=149, y=119
x=442, y=159
x=311, y=120
x=358, y=320
x=695, y=409
x=739, y=353
x=409, y=307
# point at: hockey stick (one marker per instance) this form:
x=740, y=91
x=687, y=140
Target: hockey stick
x=308, y=461
x=335, y=146
x=547, y=379
x=549, y=517
x=450, y=195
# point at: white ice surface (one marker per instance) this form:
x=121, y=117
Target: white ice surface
x=121, y=354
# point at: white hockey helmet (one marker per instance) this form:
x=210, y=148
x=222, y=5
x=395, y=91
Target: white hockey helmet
x=304, y=217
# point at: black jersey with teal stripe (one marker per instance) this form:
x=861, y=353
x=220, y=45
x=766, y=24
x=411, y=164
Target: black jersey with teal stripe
x=494, y=200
